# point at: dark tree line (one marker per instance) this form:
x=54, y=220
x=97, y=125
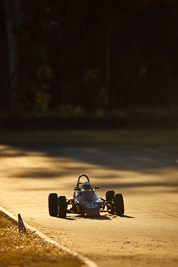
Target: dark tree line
x=92, y=54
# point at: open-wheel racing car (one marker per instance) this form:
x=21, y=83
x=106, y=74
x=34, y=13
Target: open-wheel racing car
x=85, y=201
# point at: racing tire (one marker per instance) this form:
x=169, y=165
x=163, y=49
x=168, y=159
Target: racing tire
x=119, y=204
x=52, y=204
x=62, y=206
x=110, y=195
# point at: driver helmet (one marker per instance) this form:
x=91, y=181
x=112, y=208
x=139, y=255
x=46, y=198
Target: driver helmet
x=86, y=186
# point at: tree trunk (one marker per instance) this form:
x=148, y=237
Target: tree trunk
x=106, y=15
x=12, y=11
x=107, y=62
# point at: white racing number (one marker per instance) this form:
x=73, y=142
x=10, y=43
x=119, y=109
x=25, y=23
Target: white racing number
x=91, y=206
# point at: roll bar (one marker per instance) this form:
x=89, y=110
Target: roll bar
x=80, y=176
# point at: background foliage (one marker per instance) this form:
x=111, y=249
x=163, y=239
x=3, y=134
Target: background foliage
x=89, y=54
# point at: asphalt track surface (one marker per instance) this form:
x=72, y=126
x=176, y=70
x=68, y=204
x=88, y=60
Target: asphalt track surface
x=148, y=179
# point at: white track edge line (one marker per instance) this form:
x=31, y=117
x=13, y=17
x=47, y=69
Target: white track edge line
x=82, y=258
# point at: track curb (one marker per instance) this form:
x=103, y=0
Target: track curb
x=85, y=260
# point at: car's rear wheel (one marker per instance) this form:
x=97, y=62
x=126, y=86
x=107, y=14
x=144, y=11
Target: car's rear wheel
x=119, y=204
x=62, y=206
x=52, y=204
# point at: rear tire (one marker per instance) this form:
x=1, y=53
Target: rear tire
x=119, y=204
x=52, y=204
x=62, y=206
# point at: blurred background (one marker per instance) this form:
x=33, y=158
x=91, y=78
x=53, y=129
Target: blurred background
x=96, y=60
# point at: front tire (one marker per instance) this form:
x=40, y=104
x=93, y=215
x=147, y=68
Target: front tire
x=53, y=205
x=110, y=199
x=62, y=206
x=110, y=195
x=119, y=204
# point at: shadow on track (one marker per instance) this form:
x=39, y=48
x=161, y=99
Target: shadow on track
x=71, y=160
x=128, y=217
x=105, y=217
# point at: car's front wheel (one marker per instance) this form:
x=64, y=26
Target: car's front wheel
x=52, y=204
x=119, y=204
x=62, y=206
x=110, y=199
x=110, y=195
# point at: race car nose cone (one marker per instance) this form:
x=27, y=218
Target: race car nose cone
x=92, y=213
x=92, y=209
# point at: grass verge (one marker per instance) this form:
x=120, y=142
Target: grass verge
x=139, y=138
x=27, y=249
